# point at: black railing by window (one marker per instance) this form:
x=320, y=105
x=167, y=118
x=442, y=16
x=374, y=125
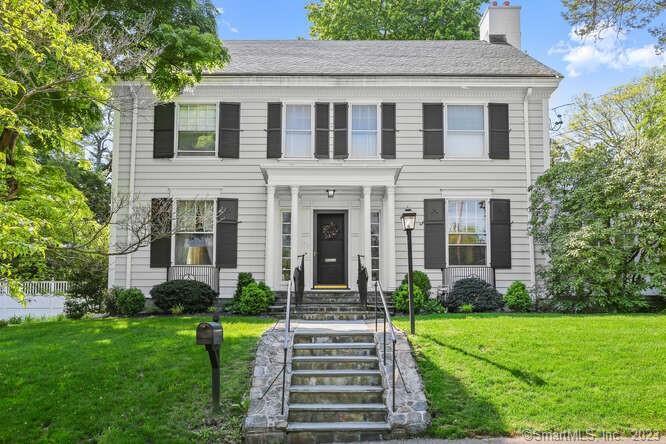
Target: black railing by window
x=207, y=274
x=362, y=281
x=451, y=275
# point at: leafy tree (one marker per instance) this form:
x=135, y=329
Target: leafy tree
x=590, y=17
x=394, y=19
x=49, y=86
x=599, y=212
x=169, y=43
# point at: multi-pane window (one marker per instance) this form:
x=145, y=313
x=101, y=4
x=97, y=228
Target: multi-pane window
x=298, y=131
x=467, y=232
x=286, y=246
x=374, y=245
x=465, y=131
x=364, y=131
x=196, y=130
x=195, y=232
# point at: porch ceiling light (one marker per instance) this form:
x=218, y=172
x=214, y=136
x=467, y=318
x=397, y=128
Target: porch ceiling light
x=408, y=220
x=331, y=193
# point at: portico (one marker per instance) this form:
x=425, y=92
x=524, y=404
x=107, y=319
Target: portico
x=356, y=216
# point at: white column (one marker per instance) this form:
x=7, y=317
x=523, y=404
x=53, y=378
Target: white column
x=269, y=269
x=389, y=221
x=294, y=226
x=367, y=250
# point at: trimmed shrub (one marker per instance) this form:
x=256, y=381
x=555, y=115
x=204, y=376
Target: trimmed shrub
x=421, y=280
x=111, y=301
x=244, y=279
x=254, y=299
x=130, y=302
x=433, y=306
x=75, y=308
x=15, y=320
x=517, y=298
x=4, y=323
x=194, y=296
x=401, y=299
x=466, y=308
x=475, y=291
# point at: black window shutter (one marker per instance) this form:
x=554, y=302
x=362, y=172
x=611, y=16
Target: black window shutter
x=163, y=130
x=160, y=232
x=433, y=131
x=498, y=115
x=321, y=130
x=274, y=131
x=229, y=130
x=340, y=150
x=500, y=233
x=227, y=233
x=388, y=130
x=434, y=233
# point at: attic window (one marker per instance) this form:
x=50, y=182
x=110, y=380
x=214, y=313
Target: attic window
x=497, y=38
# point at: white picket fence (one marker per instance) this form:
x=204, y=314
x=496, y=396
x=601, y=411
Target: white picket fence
x=42, y=299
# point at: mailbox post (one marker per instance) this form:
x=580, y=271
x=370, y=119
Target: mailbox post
x=211, y=335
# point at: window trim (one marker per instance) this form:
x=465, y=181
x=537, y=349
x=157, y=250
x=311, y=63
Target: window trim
x=350, y=130
x=282, y=212
x=283, y=144
x=174, y=222
x=485, y=155
x=177, y=129
x=484, y=199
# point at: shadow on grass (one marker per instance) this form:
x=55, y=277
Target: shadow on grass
x=524, y=376
x=456, y=412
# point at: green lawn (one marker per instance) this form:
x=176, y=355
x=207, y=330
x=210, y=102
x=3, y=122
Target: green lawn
x=502, y=374
x=122, y=380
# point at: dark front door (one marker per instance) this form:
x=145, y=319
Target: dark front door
x=331, y=266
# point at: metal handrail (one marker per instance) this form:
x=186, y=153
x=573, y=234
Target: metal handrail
x=387, y=318
x=285, y=344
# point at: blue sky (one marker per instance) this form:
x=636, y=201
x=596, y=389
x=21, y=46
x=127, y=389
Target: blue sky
x=588, y=66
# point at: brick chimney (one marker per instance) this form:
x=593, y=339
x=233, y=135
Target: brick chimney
x=501, y=24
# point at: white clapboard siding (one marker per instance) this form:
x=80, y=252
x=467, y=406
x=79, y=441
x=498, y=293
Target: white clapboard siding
x=420, y=178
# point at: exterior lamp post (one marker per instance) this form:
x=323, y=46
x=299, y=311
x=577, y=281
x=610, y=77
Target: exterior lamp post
x=408, y=224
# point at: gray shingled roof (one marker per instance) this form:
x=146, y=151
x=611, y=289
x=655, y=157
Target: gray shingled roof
x=380, y=57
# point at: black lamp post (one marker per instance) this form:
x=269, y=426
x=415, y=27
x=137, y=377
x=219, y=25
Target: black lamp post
x=408, y=223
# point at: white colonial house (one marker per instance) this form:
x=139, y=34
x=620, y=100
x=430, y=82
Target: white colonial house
x=316, y=148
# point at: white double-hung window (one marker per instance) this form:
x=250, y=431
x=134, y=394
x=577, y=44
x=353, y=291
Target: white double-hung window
x=364, y=130
x=298, y=131
x=465, y=131
x=196, y=129
x=467, y=230
x=195, y=232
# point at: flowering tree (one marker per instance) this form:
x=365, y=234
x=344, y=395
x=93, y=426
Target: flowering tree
x=599, y=212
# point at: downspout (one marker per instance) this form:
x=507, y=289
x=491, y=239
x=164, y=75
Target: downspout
x=130, y=205
x=528, y=175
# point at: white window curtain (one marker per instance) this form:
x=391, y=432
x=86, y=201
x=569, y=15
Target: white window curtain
x=467, y=232
x=195, y=226
x=364, y=131
x=298, y=131
x=196, y=129
x=465, y=130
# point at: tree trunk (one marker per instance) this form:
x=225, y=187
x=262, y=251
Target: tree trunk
x=8, y=141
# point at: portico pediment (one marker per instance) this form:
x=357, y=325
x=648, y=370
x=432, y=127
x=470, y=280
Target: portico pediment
x=342, y=174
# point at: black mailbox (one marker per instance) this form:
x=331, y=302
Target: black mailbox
x=209, y=333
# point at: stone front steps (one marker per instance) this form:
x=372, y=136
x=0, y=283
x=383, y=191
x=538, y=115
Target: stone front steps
x=336, y=392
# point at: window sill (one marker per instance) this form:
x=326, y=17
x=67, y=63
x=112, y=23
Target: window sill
x=467, y=159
